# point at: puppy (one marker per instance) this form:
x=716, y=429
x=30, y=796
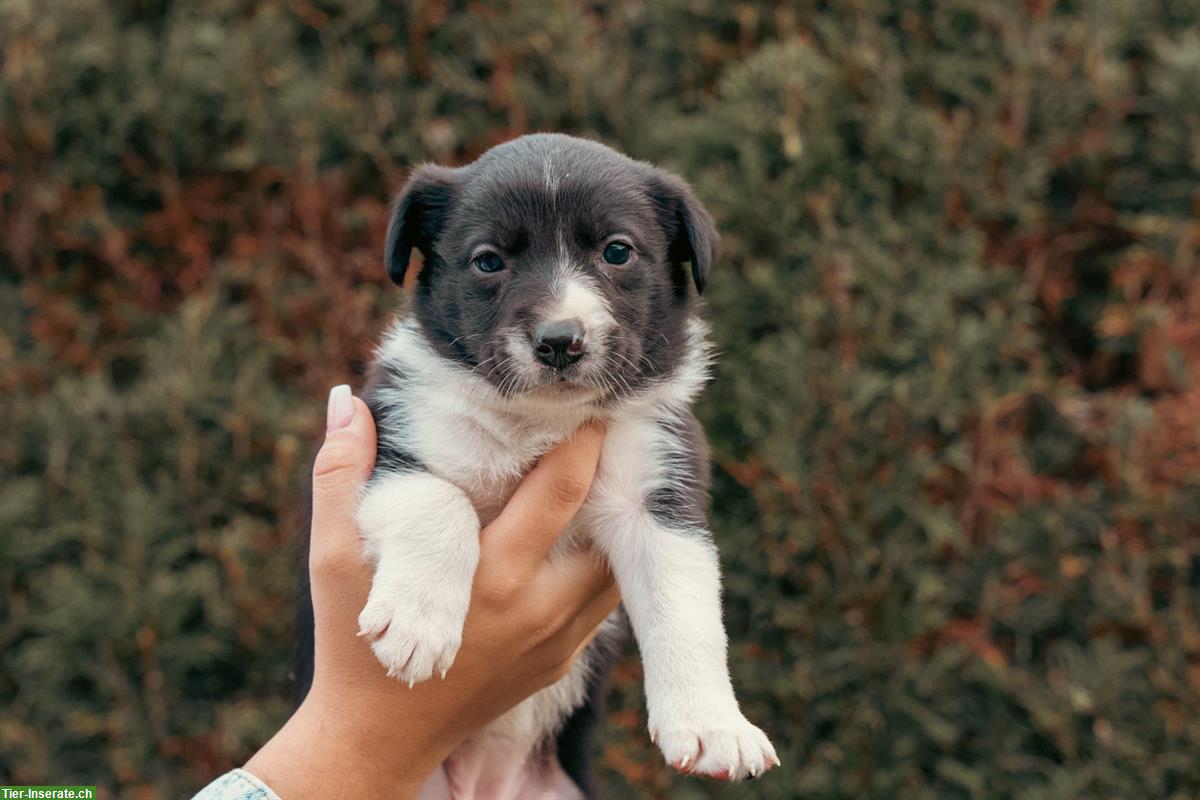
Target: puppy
x=556, y=289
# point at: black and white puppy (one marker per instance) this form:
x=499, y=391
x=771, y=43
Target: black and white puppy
x=556, y=288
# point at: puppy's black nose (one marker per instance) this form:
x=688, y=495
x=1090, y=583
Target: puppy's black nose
x=559, y=344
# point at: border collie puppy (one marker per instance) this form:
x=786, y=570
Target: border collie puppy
x=556, y=288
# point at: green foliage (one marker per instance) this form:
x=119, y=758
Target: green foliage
x=955, y=423
x=147, y=582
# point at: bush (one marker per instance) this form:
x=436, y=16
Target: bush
x=956, y=420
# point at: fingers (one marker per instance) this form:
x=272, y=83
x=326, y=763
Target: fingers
x=342, y=465
x=596, y=611
x=575, y=580
x=547, y=499
x=585, y=626
x=583, y=586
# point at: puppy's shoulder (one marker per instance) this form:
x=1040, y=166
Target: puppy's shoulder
x=388, y=392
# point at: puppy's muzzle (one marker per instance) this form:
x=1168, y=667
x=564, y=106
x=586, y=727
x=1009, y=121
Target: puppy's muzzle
x=560, y=343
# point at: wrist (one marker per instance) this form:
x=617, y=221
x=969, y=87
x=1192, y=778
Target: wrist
x=326, y=751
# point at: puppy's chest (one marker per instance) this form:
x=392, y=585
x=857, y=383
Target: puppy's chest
x=485, y=458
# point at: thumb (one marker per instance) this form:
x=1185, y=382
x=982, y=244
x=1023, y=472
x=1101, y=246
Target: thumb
x=343, y=463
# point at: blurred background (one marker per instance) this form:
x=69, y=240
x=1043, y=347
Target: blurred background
x=955, y=423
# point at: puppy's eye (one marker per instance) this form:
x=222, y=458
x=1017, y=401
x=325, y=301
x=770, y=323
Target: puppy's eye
x=617, y=253
x=488, y=261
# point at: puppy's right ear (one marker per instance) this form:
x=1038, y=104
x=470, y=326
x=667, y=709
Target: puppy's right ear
x=418, y=215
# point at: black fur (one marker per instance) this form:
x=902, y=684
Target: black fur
x=417, y=216
x=683, y=502
x=573, y=745
x=389, y=423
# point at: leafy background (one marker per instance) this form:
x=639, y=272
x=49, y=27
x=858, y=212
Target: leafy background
x=956, y=422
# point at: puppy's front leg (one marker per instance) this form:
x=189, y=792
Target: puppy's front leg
x=648, y=510
x=671, y=588
x=421, y=533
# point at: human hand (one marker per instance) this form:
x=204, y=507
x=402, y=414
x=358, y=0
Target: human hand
x=528, y=620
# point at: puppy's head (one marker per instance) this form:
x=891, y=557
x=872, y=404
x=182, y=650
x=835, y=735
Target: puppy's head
x=554, y=265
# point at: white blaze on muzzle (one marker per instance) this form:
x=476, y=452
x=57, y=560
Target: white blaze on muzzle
x=576, y=296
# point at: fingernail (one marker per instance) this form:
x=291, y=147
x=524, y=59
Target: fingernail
x=341, y=408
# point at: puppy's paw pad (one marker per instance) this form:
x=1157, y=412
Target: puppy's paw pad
x=728, y=750
x=412, y=641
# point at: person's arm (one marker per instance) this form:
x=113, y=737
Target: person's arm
x=361, y=734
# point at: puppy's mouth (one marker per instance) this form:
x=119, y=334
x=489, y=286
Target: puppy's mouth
x=571, y=380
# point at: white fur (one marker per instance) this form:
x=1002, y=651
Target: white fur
x=671, y=588
x=550, y=178
x=423, y=534
x=577, y=297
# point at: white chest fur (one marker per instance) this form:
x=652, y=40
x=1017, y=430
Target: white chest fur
x=465, y=433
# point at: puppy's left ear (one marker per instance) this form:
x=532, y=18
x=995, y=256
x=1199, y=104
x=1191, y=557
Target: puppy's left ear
x=418, y=215
x=690, y=230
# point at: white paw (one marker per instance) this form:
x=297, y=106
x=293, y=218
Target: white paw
x=422, y=534
x=726, y=747
x=412, y=638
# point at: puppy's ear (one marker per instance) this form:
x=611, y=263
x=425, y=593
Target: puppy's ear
x=418, y=215
x=689, y=227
